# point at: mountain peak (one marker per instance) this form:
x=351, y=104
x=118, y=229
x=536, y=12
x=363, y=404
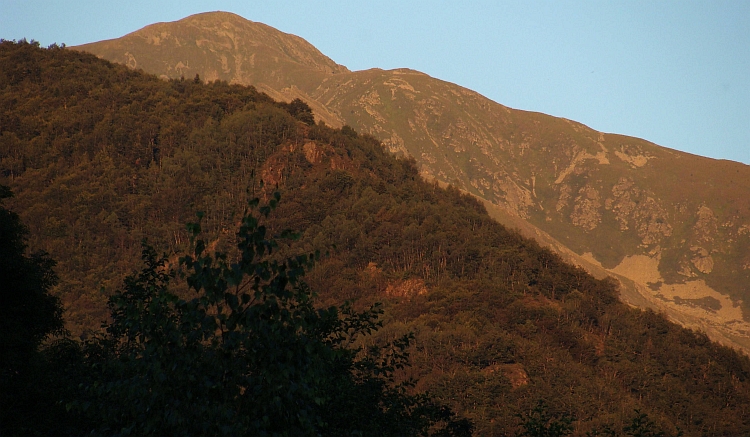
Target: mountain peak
x=225, y=46
x=217, y=15
x=201, y=42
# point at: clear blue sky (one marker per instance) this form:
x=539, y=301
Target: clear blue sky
x=676, y=73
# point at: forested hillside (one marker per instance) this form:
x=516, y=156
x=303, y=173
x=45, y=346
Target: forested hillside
x=674, y=228
x=101, y=157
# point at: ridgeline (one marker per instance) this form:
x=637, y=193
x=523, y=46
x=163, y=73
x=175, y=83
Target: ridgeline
x=101, y=157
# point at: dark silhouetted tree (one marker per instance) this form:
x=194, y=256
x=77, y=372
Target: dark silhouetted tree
x=249, y=354
x=28, y=315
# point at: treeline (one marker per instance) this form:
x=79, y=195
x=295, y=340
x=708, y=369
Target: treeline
x=101, y=157
x=246, y=354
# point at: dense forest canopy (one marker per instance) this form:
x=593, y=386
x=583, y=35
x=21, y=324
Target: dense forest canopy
x=101, y=157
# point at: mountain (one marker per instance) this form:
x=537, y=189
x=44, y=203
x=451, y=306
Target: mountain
x=673, y=228
x=101, y=157
x=224, y=46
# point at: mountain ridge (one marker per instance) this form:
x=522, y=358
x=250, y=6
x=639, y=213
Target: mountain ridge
x=227, y=58
x=608, y=198
x=100, y=157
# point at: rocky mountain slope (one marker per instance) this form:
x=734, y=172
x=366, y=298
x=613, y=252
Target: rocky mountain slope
x=101, y=158
x=672, y=227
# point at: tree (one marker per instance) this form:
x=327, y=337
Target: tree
x=539, y=423
x=248, y=354
x=642, y=426
x=301, y=111
x=29, y=314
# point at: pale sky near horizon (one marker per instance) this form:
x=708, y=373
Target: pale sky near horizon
x=676, y=73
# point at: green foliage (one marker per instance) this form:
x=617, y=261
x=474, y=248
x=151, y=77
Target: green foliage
x=300, y=110
x=247, y=355
x=539, y=423
x=642, y=426
x=639, y=426
x=605, y=430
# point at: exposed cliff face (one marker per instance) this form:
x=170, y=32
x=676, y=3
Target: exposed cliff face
x=613, y=204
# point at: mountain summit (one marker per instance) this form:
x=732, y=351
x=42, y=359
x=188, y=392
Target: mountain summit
x=225, y=46
x=673, y=228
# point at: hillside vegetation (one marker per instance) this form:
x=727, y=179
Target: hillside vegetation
x=673, y=227
x=101, y=157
